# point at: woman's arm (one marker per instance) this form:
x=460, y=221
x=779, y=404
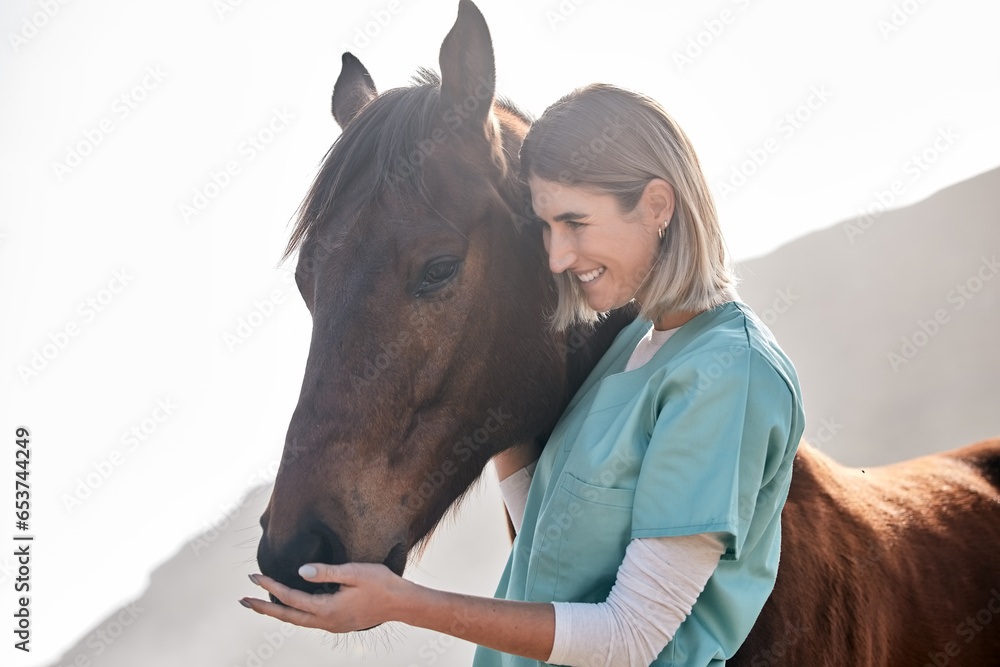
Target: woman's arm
x=656, y=587
x=515, y=467
x=511, y=460
x=371, y=594
x=514, y=491
x=657, y=584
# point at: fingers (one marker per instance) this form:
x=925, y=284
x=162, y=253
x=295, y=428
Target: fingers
x=303, y=609
x=290, y=596
x=326, y=573
x=287, y=614
x=365, y=591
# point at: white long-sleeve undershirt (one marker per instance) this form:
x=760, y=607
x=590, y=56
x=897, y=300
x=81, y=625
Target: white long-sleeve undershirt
x=657, y=584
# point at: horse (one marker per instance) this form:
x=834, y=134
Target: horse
x=429, y=290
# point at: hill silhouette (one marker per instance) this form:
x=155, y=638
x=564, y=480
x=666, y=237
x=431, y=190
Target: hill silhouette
x=891, y=321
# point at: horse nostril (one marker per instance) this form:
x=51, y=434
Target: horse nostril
x=327, y=546
x=314, y=542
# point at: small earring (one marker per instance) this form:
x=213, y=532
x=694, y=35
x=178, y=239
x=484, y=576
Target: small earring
x=663, y=229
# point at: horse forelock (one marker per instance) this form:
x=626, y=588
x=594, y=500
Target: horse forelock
x=381, y=152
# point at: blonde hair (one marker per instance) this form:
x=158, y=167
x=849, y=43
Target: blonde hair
x=615, y=141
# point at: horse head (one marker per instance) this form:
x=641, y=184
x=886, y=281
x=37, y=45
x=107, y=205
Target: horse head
x=430, y=349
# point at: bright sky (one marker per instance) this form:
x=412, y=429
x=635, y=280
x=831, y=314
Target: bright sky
x=116, y=115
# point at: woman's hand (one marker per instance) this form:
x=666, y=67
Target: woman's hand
x=369, y=594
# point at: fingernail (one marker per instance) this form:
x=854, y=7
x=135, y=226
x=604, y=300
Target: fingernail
x=307, y=571
x=253, y=578
x=246, y=604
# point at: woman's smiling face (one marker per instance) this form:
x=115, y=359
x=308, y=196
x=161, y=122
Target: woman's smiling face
x=609, y=252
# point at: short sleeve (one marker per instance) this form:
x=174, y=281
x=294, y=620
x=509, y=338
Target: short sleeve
x=722, y=432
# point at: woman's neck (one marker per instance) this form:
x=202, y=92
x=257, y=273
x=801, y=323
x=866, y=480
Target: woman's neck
x=674, y=319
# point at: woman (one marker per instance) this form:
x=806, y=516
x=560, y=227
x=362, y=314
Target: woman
x=649, y=526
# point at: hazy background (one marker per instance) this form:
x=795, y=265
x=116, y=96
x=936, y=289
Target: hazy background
x=802, y=115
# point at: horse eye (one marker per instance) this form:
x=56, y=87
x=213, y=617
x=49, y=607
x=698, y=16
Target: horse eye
x=437, y=275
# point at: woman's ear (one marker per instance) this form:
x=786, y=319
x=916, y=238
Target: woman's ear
x=659, y=201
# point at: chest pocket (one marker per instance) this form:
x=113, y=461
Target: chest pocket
x=580, y=541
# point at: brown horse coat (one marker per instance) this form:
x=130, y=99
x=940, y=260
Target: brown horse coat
x=894, y=565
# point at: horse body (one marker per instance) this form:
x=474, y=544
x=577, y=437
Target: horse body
x=430, y=353
x=887, y=565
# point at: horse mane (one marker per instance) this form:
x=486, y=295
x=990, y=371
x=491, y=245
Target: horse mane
x=372, y=151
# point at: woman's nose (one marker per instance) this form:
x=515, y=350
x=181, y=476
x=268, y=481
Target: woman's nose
x=559, y=247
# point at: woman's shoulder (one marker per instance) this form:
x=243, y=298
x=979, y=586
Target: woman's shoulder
x=729, y=340
x=726, y=326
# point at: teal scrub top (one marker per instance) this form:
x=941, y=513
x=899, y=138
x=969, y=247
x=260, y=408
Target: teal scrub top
x=699, y=439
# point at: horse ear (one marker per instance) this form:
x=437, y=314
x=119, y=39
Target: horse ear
x=468, y=74
x=353, y=90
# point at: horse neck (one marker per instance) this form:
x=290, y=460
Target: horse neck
x=594, y=342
